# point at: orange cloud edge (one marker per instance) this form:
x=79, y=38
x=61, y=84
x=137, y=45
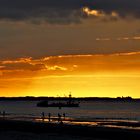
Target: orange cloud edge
x=102, y=74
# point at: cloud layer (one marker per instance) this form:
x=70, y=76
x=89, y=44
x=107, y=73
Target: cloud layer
x=65, y=11
x=70, y=65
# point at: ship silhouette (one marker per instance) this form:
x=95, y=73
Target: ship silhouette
x=69, y=103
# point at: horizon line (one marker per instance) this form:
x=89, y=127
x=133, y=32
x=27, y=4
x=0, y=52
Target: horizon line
x=122, y=97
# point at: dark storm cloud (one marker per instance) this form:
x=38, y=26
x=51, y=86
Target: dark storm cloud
x=64, y=11
x=52, y=11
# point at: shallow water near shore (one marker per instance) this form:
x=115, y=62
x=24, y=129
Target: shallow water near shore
x=96, y=113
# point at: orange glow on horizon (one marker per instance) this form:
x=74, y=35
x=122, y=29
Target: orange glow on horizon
x=83, y=75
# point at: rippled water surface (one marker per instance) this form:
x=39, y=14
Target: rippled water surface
x=87, y=111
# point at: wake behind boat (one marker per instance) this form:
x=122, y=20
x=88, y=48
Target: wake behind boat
x=69, y=103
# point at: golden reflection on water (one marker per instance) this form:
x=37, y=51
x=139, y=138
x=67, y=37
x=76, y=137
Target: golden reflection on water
x=101, y=123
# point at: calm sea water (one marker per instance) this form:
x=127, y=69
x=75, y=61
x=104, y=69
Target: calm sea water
x=89, y=110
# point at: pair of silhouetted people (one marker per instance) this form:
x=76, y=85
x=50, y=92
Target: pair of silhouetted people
x=43, y=116
x=60, y=117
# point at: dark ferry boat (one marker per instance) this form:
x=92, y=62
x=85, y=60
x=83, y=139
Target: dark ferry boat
x=69, y=103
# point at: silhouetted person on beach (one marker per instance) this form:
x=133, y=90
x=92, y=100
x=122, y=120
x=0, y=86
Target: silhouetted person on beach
x=43, y=116
x=49, y=117
x=64, y=115
x=3, y=114
x=59, y=117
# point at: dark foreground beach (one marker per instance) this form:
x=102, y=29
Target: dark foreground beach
x=25, y=130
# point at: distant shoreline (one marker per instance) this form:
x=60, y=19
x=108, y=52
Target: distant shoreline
x=31, y=98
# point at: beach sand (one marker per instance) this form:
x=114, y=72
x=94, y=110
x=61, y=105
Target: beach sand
x=25, y=130
x=17, y=135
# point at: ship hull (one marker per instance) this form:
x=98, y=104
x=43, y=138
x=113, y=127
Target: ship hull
x=45, y=104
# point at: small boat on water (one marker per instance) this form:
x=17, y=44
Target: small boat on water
x=69, y=103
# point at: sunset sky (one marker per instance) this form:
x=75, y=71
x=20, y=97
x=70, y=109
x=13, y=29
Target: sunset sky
x=86, y=47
